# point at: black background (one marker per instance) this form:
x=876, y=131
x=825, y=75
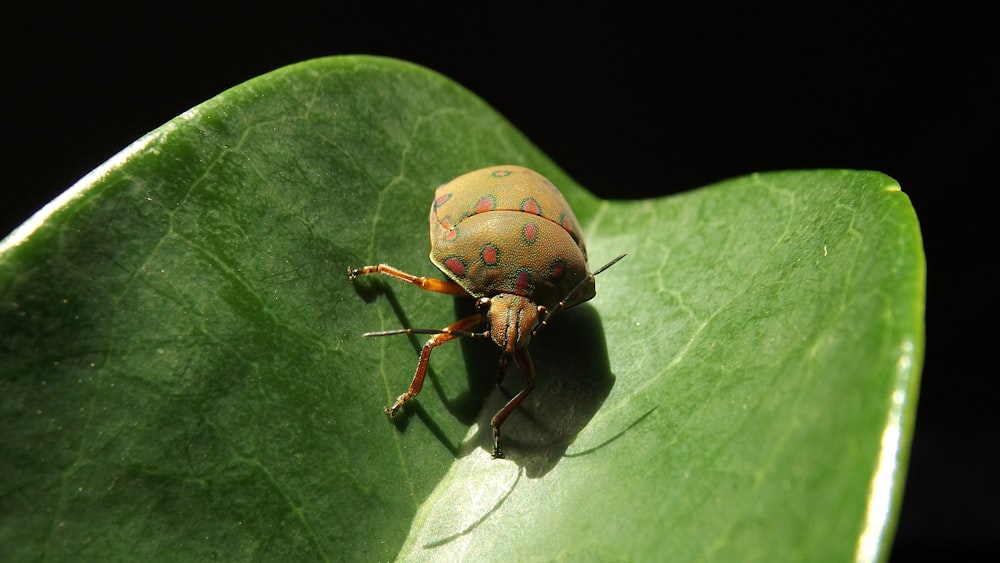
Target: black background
x=631, y=102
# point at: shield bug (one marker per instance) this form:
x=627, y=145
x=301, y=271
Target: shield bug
x=505, y=236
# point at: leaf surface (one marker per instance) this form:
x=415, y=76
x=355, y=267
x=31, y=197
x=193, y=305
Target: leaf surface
x=183, y=375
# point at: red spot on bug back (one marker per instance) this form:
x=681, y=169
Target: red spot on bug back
x=529, y=205
x=441, y=200
x=451, y=234
x=485, y=203
x=557, y=270
x=567, y=225
x=490, y=255
x=456, y=265
x=530, y=233
x=521, y=286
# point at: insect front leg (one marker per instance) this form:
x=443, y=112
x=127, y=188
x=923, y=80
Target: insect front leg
x=523, y=360
x=429, y=284
x=447, y=333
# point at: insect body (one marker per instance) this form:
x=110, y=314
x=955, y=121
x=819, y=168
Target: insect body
x=505, y=236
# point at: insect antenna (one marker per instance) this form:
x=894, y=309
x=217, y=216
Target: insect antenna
x=464, y=333
x=573, y=291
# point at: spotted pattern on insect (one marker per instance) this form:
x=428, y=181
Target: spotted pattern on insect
x=476, y=211
x=490, y=255
x=531, y=206
x=567, y=224
x=558, y=270
x=486, y=203
x=455, y=265
x=529, y=232
x=506, y=236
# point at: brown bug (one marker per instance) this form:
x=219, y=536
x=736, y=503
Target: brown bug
x=505, y=236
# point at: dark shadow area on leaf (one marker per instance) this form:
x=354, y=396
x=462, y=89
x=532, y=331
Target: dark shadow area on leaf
x=368, y=288
x=572, y=379
x=466, y=406
x=481, y=359
x=402, y=420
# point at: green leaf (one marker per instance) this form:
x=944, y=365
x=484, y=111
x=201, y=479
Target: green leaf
x=182, y=375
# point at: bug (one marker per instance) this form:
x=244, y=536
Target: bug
x=505, y=236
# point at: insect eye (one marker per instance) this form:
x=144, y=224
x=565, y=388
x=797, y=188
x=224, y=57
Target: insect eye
x=483, y=304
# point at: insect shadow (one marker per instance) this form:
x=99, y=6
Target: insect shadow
x=572, y=380
x=464, y=406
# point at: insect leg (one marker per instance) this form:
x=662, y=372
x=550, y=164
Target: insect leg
x=523, y=360
x=501, y=369
x=429, y=284
x=462, y=326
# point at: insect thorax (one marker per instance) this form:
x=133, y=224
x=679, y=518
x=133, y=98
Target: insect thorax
x=512, y=320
